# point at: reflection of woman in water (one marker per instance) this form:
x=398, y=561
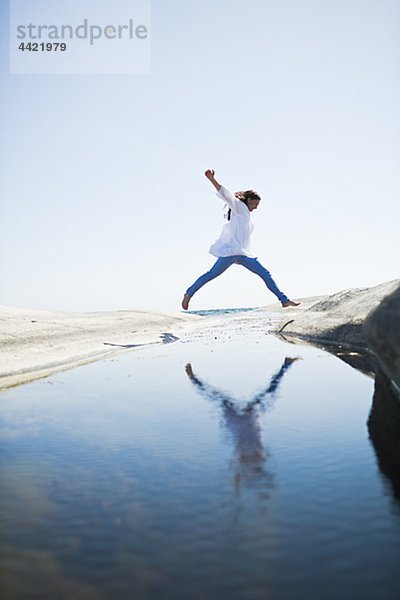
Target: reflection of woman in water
x=243, y=424
x=233, y=245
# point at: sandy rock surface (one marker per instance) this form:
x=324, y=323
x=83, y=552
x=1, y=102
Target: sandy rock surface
x=337, y=319
x=36, y=343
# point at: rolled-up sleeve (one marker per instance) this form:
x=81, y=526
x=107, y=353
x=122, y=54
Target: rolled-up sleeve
x=233, y=203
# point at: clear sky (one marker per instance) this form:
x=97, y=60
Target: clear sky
x=104, y=204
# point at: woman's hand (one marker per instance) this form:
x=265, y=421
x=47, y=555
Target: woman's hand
x=210, y=173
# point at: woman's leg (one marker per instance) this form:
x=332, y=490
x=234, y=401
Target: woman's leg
x=255, y=267
x=217, y=269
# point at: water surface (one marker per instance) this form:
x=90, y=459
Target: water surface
x=229, y=464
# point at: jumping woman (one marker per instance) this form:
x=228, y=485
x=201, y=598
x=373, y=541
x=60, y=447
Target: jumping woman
x=233, y=245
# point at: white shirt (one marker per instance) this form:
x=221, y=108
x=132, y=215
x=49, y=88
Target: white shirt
x=236, y=233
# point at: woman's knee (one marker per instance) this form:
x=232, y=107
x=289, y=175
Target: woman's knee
x=265, y=272
x=213, y=273
x=261, y=270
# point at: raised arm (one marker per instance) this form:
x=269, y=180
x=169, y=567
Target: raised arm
x=225, y=194
x=210, y=174
x=210, y=392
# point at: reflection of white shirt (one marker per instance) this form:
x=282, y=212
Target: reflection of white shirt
x=235, y=235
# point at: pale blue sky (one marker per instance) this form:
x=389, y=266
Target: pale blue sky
x=103, y=200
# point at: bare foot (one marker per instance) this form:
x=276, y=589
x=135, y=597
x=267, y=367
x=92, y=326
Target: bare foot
x=289, y=360
x=185, y=301
x=189, y=370
x=289, y=303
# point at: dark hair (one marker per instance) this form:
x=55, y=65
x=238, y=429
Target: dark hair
x=244, y=197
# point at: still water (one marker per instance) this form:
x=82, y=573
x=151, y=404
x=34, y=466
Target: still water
x=229, y=464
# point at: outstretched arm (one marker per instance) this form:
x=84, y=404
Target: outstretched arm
x=210, y=392
x=225, y=194
x=274, y=383
x=210, y=174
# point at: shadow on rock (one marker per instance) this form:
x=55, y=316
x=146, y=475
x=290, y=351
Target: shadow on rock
x=384, y=430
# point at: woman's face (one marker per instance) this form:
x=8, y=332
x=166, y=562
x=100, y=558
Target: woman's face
x=252, y=204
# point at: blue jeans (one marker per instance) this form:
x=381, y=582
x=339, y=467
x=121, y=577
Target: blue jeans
x=250, y=263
